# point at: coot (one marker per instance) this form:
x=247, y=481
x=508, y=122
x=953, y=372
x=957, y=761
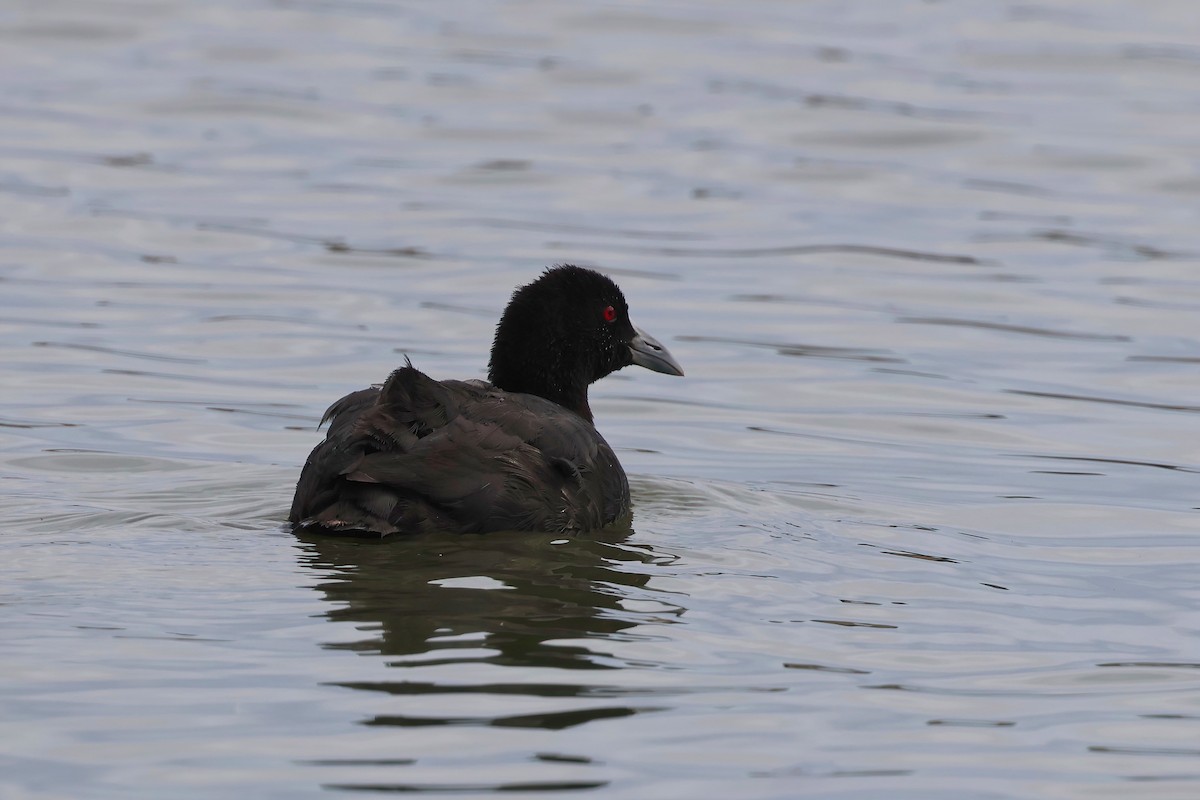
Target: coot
x=518, y=453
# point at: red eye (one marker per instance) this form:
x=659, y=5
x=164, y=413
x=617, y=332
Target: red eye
x=610, y=314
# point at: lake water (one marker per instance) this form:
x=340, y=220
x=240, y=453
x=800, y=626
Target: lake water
x=920, y=522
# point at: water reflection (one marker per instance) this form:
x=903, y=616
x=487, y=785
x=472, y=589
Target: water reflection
x=523, y=600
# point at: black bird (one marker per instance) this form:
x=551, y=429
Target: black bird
x=518, y=453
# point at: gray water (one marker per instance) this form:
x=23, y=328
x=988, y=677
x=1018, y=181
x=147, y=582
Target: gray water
x=918, y=523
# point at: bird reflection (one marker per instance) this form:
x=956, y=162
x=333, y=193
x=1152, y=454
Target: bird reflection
x=510, y=599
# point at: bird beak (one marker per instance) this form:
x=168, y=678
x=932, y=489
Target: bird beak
x=648, y=353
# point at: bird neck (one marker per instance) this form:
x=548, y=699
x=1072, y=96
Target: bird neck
x=565, y=390
x=555, y=373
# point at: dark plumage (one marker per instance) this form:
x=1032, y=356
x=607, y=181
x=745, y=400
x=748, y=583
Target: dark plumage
x=518, y=453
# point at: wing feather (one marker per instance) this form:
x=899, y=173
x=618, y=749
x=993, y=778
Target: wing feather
x=417, y=454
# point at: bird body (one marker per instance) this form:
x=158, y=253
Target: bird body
x=517, y=453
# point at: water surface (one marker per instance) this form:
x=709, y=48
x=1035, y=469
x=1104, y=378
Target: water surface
x=921, y=522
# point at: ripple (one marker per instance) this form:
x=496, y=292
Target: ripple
x=926, y=269
x=1007, y=328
